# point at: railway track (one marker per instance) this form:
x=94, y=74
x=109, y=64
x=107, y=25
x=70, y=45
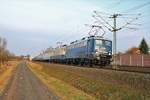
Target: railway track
x=136, y=69
x=145, y=70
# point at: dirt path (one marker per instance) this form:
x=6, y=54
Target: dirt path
x=24, y=85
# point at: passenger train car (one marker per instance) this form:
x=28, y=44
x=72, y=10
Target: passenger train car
x=87, y=51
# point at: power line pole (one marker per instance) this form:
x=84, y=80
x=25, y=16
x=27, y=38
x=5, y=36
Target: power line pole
x=114, y=40
x=113, y=28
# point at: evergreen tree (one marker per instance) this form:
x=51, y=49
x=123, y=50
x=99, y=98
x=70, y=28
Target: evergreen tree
x=144, y=49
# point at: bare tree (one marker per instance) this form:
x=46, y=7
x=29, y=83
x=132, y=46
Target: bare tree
x=0, y=52
x=4, y=53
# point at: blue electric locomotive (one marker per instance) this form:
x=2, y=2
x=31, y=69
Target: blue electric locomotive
x=87, y=51
x=92, y=50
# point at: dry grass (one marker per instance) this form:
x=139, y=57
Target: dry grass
x=5, y=73
x=62, y=89
x=102, y=84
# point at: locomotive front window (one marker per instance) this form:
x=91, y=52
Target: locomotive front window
x=103, y=46
x=107, y=43
x=98, y=43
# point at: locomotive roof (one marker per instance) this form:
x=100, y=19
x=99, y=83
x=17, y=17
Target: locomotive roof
x=90, y=37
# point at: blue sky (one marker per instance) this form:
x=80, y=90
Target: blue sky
x=33, y=25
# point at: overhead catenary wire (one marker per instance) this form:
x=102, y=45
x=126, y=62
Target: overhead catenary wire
x=102, y=23
x=116, y=4
x=129, y=22
x=104, y=13
x=113, y=28
x=137, y=7
x=102, y=19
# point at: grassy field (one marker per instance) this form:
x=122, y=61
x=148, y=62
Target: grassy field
x=62, y=89
x=5, y=73
x=98, y=83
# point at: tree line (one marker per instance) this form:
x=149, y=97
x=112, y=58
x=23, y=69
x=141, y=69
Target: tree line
x=5, y=55
x=142, y=49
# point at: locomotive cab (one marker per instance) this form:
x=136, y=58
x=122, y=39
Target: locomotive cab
x=103, y=47
x=101, y=50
